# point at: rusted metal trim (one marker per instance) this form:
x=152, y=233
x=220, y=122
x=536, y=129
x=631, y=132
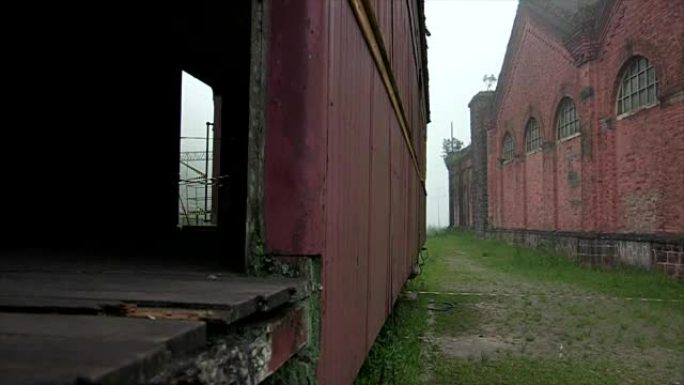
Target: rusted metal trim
x=371, y=33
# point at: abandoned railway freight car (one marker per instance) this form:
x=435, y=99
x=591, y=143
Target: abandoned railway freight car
x=210, y=192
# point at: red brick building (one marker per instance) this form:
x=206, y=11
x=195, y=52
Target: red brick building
x=585, y=132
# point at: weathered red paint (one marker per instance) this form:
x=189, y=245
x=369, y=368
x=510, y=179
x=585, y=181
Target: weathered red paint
x=343, y=185
x=287, y=335
x=379, y=299
x=295, y=152
x=347, y=200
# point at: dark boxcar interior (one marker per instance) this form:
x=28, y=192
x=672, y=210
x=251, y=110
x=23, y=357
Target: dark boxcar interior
x=94, y=139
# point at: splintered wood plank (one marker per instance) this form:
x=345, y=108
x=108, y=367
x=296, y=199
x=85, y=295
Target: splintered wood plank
x=228, y=297
x=65, y=349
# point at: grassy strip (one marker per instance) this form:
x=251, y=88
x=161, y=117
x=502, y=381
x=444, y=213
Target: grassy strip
x=544, y=266
x=434, y=269
x=524, y=371
x=396, y=355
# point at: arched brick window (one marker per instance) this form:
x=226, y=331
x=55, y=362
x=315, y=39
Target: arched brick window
x=508, y=147
x=568, y=124
x=533, y=139
x=638, y=86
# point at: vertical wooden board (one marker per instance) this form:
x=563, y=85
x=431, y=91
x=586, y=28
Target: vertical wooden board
x=409, y=217
x=374, y=5
x=406, y=53
x=347, y=199
x=400, y=264
x=408, y=102
x=398, y=150
x=395, y=202
x=390, y=241
x=415, y=29
x=371, y=189
x=379, y=211
x=383, y=15
x=325, y=365
x=401, y=221
x=413, y=104
x=413, y=224
x=407, y=226
x=294, y=156
x=396, y=44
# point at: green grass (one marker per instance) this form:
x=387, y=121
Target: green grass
x=439, y=244
x=524, y=371
x=544, y=266
x=396, y=355
x=434, y=231
x=456, y=314
x=607, y=340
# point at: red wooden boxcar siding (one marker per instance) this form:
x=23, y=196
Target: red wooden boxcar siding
x=294, y=159
x=345, y=275
x=335, y=150
x=372, y=189
x=384, y=16
x=379, y=299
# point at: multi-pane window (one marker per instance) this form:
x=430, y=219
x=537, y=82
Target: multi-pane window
x=508, y=147
x=568, y=124
x=533, y=138
x=638, y=86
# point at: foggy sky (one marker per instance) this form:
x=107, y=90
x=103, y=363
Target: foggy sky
x=468, y=40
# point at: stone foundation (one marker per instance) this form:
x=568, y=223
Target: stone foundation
x=648, y=252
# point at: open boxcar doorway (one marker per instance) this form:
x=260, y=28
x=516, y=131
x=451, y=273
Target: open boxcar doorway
x=101, y=163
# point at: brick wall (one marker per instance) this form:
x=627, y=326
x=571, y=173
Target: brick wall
x=480, y=119
x=621, y=174
x=663, y=254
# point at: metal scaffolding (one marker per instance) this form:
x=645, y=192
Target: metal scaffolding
x=195, y=182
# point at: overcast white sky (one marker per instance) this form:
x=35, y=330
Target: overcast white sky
x=468, y=40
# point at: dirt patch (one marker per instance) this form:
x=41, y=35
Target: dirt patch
x=427, y=376
x=475, y=347
x=498, y=316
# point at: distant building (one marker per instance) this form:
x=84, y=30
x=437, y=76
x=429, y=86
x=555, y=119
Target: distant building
x=581, y=146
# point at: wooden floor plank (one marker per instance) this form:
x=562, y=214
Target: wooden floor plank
x=48, y=348
x=237, y=297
